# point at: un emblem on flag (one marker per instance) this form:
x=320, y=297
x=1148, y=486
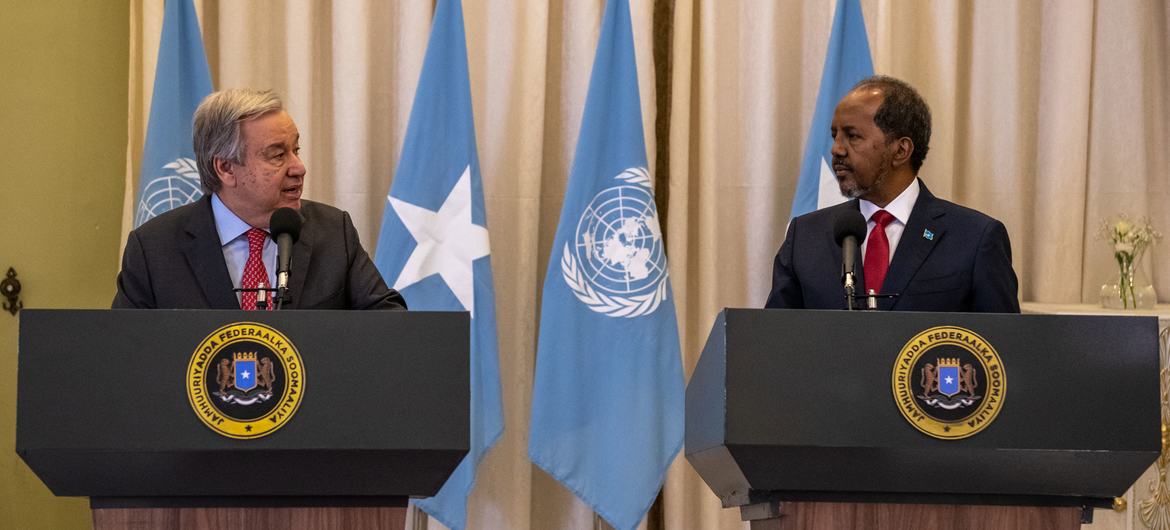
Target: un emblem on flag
x=169, y=191
x=616, y=263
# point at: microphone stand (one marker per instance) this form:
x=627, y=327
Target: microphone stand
x=281, y=291
x=870, y=297
x=261, y=295
x=850, y=297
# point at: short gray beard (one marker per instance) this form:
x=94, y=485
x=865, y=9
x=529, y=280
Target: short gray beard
x=859, y=191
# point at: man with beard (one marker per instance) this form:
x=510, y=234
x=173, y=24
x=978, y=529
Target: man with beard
x=196, y=256
x=933, y=254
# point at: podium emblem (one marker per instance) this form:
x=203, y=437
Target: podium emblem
x=948, y=376
x=949, y=382
x=245, y=380
x=245, y=370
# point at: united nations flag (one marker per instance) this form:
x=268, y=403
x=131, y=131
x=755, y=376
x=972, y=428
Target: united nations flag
x=607, y=401
x=168, y=178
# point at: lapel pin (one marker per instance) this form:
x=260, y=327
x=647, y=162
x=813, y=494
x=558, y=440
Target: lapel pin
x=928, y=235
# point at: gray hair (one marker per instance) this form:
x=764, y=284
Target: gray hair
x=216, y=128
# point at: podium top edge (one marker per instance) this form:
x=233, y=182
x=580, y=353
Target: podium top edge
x=936, y=314
x=235, y=311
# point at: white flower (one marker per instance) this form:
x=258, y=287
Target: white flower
x=1123, y=227
x=1128, y=236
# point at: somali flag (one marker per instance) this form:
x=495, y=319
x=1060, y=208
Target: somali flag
x=168, y=177
x=847, y=62
x=433, y=245
x=607, y=402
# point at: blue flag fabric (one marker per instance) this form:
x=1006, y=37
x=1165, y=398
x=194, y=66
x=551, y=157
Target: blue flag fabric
x=433, y=244
x=607, y=402
x=847, y=62
x=168, y=177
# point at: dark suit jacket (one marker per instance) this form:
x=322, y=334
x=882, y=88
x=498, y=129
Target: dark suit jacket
x=175, y=261
x=965, y=267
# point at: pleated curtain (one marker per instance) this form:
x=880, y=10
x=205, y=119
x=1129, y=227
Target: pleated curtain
x=1048, y=115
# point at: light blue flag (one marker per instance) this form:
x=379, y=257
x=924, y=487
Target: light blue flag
x=433, y=245
x=607, y=402
x=168, y=177
x=847, y=62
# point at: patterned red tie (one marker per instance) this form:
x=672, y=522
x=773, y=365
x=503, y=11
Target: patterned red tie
x=254, y=271
x=877, y=252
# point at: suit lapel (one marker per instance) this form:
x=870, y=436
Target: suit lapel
x=914, y=246
x=204, y=255
x=299, y=265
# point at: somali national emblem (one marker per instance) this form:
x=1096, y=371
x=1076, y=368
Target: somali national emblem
x=616, y=262
x=177, y=186
x=949, y=382
x=245, y=380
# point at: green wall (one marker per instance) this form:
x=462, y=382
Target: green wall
x=63, y=90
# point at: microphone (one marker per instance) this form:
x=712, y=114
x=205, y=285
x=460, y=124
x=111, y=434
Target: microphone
x=285, y=227
x=848, y=232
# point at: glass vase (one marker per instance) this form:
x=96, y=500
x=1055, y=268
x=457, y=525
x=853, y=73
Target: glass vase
x=1130, y=289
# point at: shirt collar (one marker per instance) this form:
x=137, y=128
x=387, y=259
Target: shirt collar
x=227, y=223
x=900, y=207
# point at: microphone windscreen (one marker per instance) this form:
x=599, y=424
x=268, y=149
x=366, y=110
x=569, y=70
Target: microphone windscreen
x=286, y=221
x=849, y=222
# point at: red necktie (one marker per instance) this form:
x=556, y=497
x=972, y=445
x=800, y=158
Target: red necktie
x=254, y=271
x=877, y=252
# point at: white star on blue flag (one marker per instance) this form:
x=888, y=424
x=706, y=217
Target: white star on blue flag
x=433, y=245
x=846, y=62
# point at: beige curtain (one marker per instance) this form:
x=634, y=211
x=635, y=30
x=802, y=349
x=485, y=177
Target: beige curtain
x=1049, y=115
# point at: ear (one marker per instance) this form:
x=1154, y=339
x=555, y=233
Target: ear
x=903, y=148
x=226, y=169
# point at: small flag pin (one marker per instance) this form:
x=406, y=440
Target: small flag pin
x=928, y=235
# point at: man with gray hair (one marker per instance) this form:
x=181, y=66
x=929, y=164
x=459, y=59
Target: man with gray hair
x=201, y=255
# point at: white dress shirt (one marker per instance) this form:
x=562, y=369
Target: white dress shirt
x=234, y=240
x=900, y=208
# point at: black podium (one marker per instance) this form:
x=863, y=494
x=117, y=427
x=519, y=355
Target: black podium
x=133, y=409
x=812, y=419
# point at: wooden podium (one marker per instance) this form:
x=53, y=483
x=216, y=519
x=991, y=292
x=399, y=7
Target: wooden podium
x=130, y=408
x=813, y=419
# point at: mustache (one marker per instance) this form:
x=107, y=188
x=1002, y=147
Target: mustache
x=839, y=162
